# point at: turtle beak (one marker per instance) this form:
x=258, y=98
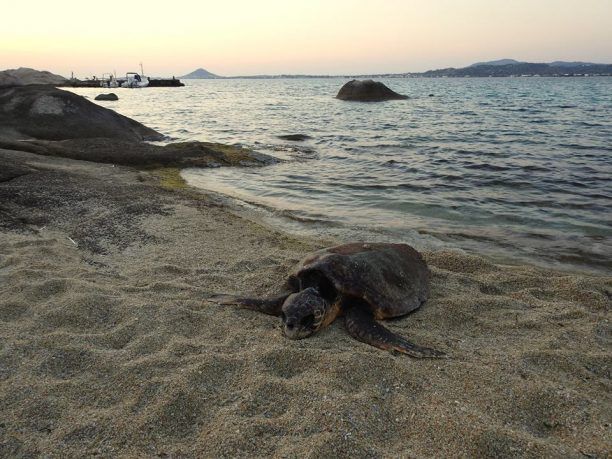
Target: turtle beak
x=294, y=328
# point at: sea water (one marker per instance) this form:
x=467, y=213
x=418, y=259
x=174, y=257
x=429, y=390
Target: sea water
x=515, y=168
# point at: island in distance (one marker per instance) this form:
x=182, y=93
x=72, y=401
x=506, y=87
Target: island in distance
x=200, y=74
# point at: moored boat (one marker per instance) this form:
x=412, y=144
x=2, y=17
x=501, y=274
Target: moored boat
x=135, y=80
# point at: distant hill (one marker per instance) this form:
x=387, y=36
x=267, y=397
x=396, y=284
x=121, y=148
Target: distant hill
x=498, y=62
x=200, y=74
x=25, y=76
x=571, y=64
x=496, y=68
x=510, y=67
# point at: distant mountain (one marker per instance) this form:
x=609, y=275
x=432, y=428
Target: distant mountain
x=200, y=74
x=498, y=62
x=571, y=64
x=510, y=67
x=496, y=68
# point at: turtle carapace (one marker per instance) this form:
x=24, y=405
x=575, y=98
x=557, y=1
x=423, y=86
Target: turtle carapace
x=364, y=282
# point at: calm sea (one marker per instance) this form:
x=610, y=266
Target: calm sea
x=515, y=168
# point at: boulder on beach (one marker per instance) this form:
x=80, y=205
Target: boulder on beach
x=109, y=96
x=26, y=76
x=48, y=113
x=367, y=91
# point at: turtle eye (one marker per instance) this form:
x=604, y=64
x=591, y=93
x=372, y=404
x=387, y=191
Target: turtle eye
x=308, y=321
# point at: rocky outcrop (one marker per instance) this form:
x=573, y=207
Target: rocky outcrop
x=48, y=113
x=109, y=96
x=367, y=91
x=143, y=154
x=25, y=76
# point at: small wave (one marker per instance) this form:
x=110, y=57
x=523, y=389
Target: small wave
x=487, y=167
x=534, y=168
x=449, y=177
x=403, y=186
x=413, y=187
x=577, y=146
x=522, y=110
x=596, y=196
x=302, y=218
x=394, y=145
x=293, y=152
x=508, y=182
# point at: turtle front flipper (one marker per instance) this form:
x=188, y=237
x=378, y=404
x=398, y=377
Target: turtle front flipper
x=272, y=306
x=362, y=326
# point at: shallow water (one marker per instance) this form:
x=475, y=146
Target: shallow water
x=513, y=167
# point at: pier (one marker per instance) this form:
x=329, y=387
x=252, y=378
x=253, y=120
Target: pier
x=105, y=83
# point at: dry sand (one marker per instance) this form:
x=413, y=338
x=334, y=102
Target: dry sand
x=110, y=345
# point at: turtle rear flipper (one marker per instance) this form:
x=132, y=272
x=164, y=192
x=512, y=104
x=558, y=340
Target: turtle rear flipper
x=272, y=306
x=362, y=326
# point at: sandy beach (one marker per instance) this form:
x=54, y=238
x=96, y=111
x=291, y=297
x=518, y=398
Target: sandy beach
x=111, y=343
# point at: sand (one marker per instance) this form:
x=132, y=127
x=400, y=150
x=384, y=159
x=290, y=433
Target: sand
x=110, y=343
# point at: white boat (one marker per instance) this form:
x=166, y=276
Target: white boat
x=135, y=80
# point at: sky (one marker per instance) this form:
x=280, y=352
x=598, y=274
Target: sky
x=249, y=37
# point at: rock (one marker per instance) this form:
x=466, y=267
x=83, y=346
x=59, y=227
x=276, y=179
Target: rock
x=25, y=76
x=294, y=137
x=367, y=91
x=142, y=154
x=48, y=113
x=110, y=96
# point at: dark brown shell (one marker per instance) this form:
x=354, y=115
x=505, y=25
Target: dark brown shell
x=392, y=278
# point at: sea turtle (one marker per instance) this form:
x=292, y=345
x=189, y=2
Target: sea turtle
x=364, y=282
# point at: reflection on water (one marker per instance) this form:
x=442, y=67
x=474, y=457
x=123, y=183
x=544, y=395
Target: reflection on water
x=518, y=167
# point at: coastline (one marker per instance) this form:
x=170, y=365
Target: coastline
x=300, y=226
x=111, y=344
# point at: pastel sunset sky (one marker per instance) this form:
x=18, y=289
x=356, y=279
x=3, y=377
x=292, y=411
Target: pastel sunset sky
x=246, y=37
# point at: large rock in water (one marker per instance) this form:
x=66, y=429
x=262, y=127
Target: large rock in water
x=109, y=96
x=294, y=137
x=25, y=76
x=367, y=91
x=48, y=113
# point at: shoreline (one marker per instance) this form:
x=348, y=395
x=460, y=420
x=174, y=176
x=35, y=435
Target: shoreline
x=111, y=344
x=275, y=218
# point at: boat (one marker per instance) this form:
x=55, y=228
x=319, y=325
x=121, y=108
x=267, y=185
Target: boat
x=135, y=80
x=109, y=81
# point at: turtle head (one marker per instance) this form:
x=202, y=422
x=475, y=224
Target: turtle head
x=303, y=313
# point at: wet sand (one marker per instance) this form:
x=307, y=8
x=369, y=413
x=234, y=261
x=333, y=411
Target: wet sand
x=110, y=343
